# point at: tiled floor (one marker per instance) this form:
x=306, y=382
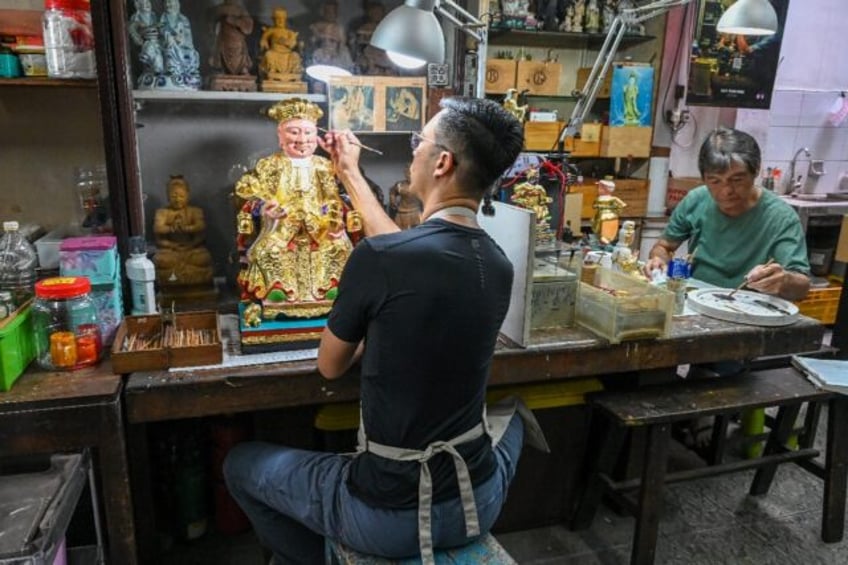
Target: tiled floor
x=710, y=521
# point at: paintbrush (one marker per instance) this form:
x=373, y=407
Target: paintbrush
x=363, y=146
x=744, y=282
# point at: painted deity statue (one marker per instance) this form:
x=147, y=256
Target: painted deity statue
x=181, y=258
x=182, y=62
x=404, y=207
x=292, y=224
x=143, y=30
x=510, y=104
x=230, y=58
x=532, y=196
x=281, y=65
x=607, y=208
x=327, y=41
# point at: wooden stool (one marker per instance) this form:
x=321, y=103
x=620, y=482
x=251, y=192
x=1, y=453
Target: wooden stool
x=658, y=407
x=484, y=551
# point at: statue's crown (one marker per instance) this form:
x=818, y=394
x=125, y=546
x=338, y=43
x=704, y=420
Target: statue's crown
x=293, y=108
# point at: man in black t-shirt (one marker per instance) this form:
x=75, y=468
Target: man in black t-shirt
x=421, y=309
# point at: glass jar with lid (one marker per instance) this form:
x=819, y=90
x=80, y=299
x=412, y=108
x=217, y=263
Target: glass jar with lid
x=64, y=320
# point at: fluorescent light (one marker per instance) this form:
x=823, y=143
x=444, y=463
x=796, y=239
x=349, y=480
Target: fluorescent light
x=324, y=73
x=749, y=17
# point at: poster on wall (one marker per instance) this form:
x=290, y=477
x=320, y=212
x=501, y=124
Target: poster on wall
x=371, y=103
x=735, y=71
x=631, y=95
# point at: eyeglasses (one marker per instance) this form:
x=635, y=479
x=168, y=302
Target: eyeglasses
x=417, y=139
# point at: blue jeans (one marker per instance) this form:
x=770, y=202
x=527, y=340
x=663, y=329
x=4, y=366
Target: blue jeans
x=294, y=498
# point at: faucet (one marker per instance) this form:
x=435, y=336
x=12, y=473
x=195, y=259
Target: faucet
x=791, y=183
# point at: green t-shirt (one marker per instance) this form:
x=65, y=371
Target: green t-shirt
x=726, y=248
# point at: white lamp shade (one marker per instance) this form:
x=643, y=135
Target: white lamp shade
x=411, y=31
x=749, y=17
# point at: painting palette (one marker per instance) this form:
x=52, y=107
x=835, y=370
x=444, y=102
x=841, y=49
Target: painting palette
x=744, y=307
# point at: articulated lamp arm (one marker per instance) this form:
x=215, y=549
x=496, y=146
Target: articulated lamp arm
x=603, y=62
x=476, y=29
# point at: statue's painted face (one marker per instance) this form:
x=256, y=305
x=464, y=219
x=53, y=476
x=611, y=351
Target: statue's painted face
x=177, y=194
x=298, y=138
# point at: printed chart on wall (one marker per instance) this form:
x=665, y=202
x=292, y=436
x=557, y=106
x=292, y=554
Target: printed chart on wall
x=734, y=71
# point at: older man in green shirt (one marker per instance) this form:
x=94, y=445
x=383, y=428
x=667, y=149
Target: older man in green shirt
x=734, y=226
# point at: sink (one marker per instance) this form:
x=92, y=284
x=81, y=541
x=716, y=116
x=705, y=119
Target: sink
x=837, y=195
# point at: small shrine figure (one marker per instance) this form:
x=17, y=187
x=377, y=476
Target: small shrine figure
x=370, y=60
x=607, y=209
x=608, y=14
x=579, y=16
x=281, y=66
x=532, y=196
x=182, y=62
x=144, y=34
x=567, y=23
x=327, y=41
x=510, y=104
x=183, y=263
x=291, y=232
x=404, y=207
x=231, y=58
x=593, y=17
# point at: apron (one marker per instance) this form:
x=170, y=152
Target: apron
x=495, y=421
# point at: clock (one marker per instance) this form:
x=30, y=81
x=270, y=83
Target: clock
x=744, y=307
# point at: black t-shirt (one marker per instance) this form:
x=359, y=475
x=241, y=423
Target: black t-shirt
x=430, y=301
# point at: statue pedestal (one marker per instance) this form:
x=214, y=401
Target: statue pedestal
x=233, y=83
x=280, y=335
x=284, y=83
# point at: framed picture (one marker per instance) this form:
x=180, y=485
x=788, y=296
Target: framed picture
x=631, y=95
x=375, y=103
x=733, y=71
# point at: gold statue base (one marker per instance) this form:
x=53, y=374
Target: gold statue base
x=233, y=83
x=291, y=85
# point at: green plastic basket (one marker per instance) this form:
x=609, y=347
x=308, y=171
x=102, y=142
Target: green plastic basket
x=17, y=347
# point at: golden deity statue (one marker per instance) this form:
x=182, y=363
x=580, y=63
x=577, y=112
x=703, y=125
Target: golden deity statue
x=607, y=210
x=281, y=65
x=182, y=261
x=291, y=227
x=532, y=196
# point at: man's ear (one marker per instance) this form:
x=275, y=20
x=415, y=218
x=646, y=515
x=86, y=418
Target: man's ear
x=444, y=164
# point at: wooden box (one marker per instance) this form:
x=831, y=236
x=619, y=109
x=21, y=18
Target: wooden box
x=541, y=136
x=635, y=193
x=539, y=77
x=589, y=190
x=583, y=76
x=500, y=75
x=626, y=141
x=171, y=353
x=588, y=144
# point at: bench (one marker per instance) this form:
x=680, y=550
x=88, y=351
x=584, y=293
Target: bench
x=657, y=408
x=484, y=551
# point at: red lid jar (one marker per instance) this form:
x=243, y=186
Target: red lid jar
x=64, y=319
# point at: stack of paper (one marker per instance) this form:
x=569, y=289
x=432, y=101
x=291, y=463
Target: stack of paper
x=829, y=374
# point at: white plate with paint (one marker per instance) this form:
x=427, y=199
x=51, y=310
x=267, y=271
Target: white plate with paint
x=744, y=307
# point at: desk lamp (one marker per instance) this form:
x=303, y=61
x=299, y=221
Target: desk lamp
x=745, y=17
x=411, y=35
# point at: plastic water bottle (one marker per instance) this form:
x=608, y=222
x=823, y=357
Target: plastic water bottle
x=142, y=273
x=17, y=264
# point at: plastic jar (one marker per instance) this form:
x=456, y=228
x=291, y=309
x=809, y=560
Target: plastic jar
x=64, y=318
x=68, y=39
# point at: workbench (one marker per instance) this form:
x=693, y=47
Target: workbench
x=568, y=353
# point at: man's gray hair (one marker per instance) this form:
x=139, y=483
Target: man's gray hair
x=725, y=147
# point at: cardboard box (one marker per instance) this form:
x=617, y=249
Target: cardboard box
x=626, y=141
x=500, y=75
x=842, y=245
x=678, y=188
x=583, y=76
x=539, y=77
x=589, y=142
x=162, y=356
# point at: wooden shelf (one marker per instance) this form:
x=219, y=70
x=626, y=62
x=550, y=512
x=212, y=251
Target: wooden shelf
x=220, y=96
x=528, y=38
x=44, y=81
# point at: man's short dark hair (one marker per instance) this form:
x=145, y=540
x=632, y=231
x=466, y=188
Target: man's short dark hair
x=725, y=146
x=484, y=136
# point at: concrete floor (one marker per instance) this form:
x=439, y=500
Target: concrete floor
x=709, y=521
